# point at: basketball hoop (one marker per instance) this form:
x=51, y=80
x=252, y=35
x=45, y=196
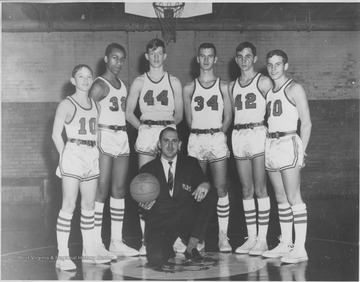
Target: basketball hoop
x=168, y=14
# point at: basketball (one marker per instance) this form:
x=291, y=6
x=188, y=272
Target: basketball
x=145, y=187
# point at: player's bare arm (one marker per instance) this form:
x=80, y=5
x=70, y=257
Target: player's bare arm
x=265, y=84
x=187, y=92
x=297, y=95
x=178, y=99
x=231, y=86
x=64, y=113
x=99, y=90
x=227, y=106
x=132, y=101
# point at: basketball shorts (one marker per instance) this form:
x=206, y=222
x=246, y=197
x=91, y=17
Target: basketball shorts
x=249, y=143
x=283, y=153
x=148, y=137
x=113, y=143
x=208, y=147
x=79, y=161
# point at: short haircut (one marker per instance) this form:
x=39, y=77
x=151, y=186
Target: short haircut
x=112, y=46
x=154, y=44
x=207, y=46
x=166, y=129
x=244, y=45
x=79, y=67
x=279, y=53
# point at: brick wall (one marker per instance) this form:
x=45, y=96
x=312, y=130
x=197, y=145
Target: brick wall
x=36, y=68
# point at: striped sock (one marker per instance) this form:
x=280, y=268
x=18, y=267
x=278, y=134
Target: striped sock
x=87, y=228
x=300, y=222
x=99, y=210
x=263, y=217
x=63, y=227
x=223, y=210
x=286, y=222
x=250, y=217
x=117, y=207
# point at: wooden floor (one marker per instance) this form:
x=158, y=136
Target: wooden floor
x=29, y=247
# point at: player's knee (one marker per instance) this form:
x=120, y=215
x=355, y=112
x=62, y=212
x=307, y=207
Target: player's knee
x=68, y=206
x=261, y=191
x=87, y=204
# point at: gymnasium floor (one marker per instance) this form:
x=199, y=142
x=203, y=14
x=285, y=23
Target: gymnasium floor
x=28, y=247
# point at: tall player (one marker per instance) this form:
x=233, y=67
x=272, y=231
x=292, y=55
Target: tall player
x=248, y=143
x=159, y=95
x=114, y=149
x=284, y=156
x=78, y=167
x=208, y=114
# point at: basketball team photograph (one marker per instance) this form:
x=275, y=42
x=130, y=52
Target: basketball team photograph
x=174, y=141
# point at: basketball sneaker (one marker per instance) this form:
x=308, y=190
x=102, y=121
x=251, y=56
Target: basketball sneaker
x=296, y=254
x=142, y=250
x=91, y=256
x=260, y=247
x=224, y=245
x=282, y=249
x=247, y=246
x=102, y=251
x=179, y=246
x=119, y=248
x=65, y=263
x=201, y=246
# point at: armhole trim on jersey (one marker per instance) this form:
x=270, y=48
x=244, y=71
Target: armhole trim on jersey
x=222, y=94
x=258, y=88
x=172, y=89
x=96, y=105
x=73, y=102
x=193, y=92
x=285, y=94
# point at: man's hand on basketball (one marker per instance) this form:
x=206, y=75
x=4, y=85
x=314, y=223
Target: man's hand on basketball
x=147, y=205
x=201, y=191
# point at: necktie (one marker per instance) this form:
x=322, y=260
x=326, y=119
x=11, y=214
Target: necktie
x=170, y=178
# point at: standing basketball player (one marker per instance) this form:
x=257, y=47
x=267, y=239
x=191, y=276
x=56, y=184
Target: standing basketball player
x=78, y=166
x=208, y=114
x=114, y=149
x=284, y=156
x=248, y=143
x=159, y=95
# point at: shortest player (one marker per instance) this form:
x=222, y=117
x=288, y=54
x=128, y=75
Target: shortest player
x=78, y=167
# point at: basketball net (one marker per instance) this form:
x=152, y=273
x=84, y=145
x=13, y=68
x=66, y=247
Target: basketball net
x=168, y=13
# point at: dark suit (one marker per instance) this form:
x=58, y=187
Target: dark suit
x=179, y=215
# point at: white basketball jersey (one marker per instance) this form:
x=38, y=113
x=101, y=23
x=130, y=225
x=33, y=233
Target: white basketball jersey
x=282, y=114
x=207, y=106
x=250, y=104
x=83, y=123
x=113, y=105
x=157, y=99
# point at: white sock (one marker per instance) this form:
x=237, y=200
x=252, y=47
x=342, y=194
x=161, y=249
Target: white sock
x=300, y=223
x=223, y=210
x=263, y=216
x=99, y=211
x=87, y=228
x=63, y=227
x=117, y=207
x=286, y=222
x=250, y=217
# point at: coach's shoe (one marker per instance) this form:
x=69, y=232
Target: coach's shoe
x=201, y=246
x=142, y=250
x=296, y=254
x=119, y=248
x=102, y=251
x=91, y=256
x=260, y=247
x=279, y=251
x=179, y=246
x=224, y=245
x=247, y=246
x=65, y=263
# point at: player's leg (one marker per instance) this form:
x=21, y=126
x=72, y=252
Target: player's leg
x=105, y=166
x=291, y=179
x=219, y=172
x=144, y=159
x=87, y=222
x=70, y=190
x=245, y=172
x=263, y=200
x=117, y=207
x=285, y=217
